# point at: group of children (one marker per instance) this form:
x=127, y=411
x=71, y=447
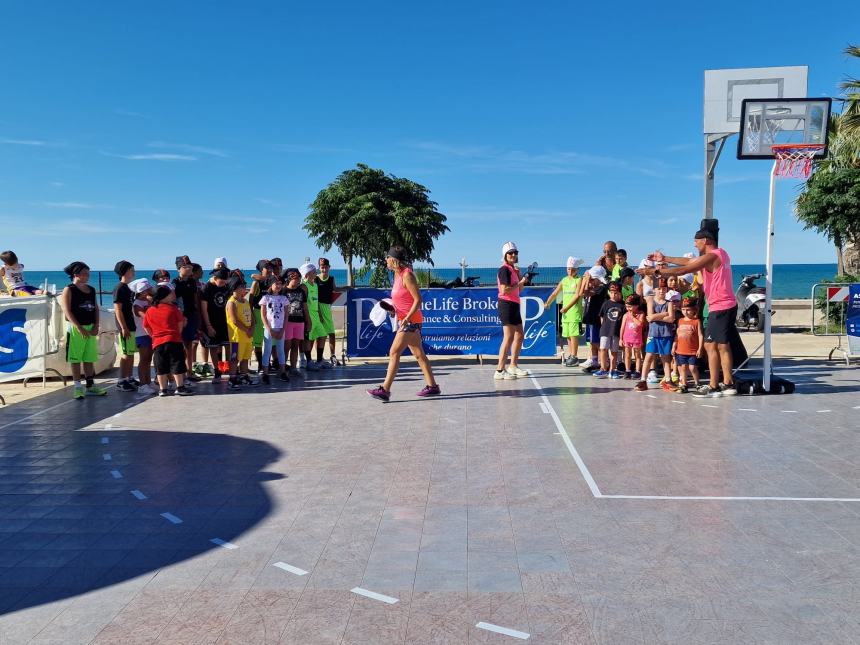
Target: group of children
x=629, y=327
x=165, y=323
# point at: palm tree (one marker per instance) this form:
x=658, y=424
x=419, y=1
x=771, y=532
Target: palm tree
x=851, y=87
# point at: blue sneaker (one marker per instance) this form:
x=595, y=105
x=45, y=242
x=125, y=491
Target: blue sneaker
x=614, y=374
x=600, y=374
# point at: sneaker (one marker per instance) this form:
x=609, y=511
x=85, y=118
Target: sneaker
x=600, y=373
x=303, y=362
x=134, y=382
x=284, y=376
x=516, y=371
x=589, y=367
x=430, y=390
x=641, y=386
x=245, y=379
x=628, y=376
x=681, y=389
x=334, y=362
x=728, y=389
x=380, y=393
x=184, y=391
x=78, y=392
x=503, y=375
x=621, y=366
x=163, y=393
x=95, y=390
x=667, y=386
x=585, y=362
x=705, y=392
x=652, y=377
x=192, y=377
x=233, y=384
x=614, y=374
x=570, y=361
x=206, y=370
x=125, y=386
x=266, y=379
x=636, y=376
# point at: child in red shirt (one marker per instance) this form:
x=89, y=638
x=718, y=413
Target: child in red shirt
x=164, y=323
x=688, y=344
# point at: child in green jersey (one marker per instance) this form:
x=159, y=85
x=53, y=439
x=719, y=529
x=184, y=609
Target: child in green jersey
x=571, y=308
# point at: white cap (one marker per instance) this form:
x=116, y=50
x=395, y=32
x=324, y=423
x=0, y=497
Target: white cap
x=598, y=273
x=378, y=314
x=574, y=263
x=508, y=246
x=169, y=285
x=688, y=278
x=218, y=261
x=140, y=285
x=307, y=268
x=673, y=295
x=646, y=263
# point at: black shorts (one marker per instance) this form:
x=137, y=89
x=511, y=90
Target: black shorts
x=509, y=313
x=169, y=358
x=220, y=339
x=720, y=325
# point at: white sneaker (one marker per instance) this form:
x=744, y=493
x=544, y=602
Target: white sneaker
x=652, y=377
x=516, y=371
x=147, y=390
x=504, y=375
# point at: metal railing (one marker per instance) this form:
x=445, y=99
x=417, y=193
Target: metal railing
x=830, y=302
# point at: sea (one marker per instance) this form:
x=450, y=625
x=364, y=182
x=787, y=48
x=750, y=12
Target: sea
x=789, y=280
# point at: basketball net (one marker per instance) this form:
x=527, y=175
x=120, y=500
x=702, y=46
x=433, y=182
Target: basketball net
x=794, y=159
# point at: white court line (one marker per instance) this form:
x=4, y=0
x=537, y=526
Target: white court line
x=790, y=411
x=139, y=495
x=592, y=485
x=107, y=456
x=223, y=544
x=822, y=410
x=681, y=402
x=35, y=414
x=170, y=517
x=747, y=410
x=543, y=408
x=105, y=440
x=373, y=595
x=116, y=474
x=705, y=405
x=290, y=568
x=651, y=396
x=502, y=630
x=856, y=407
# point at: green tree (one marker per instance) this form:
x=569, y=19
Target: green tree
x=365, y=211
x=851, y=88
x=830, y=204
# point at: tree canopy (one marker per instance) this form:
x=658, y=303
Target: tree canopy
x=365, y=211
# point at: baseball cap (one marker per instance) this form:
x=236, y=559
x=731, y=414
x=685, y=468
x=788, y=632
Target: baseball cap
x=507, y=247
x=705, y=234
x=397, y=253
x=673, y=296
x=182, y=261
x=161, y=275
x=305, y=269
x=598, y=273
x=166, y=285
x=218, y=261
x=221, y=274
x=574, y=262
x=140, y=285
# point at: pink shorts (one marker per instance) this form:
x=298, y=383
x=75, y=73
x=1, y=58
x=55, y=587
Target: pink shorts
x=294, y=331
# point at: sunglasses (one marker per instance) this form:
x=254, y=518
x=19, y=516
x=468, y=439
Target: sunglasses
x=512, y=253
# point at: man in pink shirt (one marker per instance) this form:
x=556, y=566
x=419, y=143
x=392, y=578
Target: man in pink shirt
x=716, y=270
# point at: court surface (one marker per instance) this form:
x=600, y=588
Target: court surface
x=551, y=509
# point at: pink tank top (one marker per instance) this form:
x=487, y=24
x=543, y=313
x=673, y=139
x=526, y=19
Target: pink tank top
x=632, y=332
x=514, y=294
x=718, y=284
x=403, y=300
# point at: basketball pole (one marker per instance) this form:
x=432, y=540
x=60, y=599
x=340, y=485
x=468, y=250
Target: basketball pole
x=768, y=285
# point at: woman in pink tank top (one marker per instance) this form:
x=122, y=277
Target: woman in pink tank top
x=509, y=283
x=407, y=307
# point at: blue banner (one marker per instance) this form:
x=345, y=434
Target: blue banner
x=852, y=319
x=456, y=321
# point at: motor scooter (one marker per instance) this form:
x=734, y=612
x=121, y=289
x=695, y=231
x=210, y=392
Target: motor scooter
x=750, y=298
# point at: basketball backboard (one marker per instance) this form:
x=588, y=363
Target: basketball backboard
x=725, y=90
x=766, y=122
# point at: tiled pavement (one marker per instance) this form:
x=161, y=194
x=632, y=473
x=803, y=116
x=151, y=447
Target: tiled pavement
x=466, y=509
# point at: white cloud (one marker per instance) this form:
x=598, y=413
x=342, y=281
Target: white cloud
x=24, y=142
x=156, y=156
x=57, y=184
x=74, y=227
x=213, y=152
x=516, y=215
x=267, y=202
x=74, y=205
x=309, y=148
x=242, y=219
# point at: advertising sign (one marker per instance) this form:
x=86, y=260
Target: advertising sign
x=456, y=321
x=852, y=320
x=24, y=335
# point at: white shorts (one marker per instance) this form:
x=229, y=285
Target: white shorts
x=609, y=342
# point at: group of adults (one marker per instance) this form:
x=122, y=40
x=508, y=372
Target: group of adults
x=713, y=266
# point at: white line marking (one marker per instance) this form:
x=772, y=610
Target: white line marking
x=651, y=396
x=373, y=595
x=731, y=499
x=856, y=407
x=35, y=414
x=705, y=405
x=223, y=544
x=170, y=517
x=107, y=456
x=105, y=440
x=502, y=630
x=543, y=408
x=592, y=485
x=822, y=410
x=790, y=411
x=116, y=474
x=290, y=568
x=138, y=494
x=747, y=410
x=681, y=402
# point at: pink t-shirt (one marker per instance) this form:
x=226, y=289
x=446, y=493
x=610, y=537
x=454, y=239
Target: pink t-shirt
x=402, y=299
x=717, y=284
x=512, y=276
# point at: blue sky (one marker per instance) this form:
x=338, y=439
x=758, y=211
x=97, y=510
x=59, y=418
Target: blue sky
x=148, y=130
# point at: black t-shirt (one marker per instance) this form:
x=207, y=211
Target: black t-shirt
x=259, y=288
x=611, y=313
x=297, y=298
x=123, y=295
x=216, y=304
x=186, y=296
x=506, y=276
x=591, y=315
x=325, y=288
x=83, y=305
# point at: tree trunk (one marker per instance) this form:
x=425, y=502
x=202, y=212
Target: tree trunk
x=851, y=257
x=350, y=273
x=840, y=260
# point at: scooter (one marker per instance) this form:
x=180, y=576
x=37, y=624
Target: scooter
x=458, y=283
x=750, y=298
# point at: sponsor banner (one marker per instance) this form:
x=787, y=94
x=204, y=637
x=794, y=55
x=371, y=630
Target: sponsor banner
x=24, y=331
x=456, y=321
x=852, y=320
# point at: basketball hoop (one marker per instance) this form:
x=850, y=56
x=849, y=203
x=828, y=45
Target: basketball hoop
x=795, y=159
